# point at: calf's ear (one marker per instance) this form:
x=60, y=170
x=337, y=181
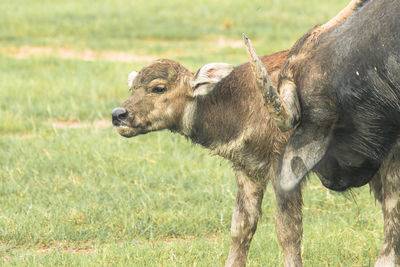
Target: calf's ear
x=131, y=78
x=207, y=77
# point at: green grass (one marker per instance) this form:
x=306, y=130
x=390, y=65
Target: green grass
x=88, y=197
x=153, y=199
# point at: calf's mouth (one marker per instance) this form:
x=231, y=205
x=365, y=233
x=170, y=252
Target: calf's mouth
x=120, y=121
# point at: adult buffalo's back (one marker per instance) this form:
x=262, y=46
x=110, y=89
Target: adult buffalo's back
x=342, y=82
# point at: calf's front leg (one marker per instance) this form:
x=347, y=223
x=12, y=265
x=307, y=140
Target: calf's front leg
x=245, y=217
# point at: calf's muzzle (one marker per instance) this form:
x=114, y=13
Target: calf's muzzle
x=118, y=116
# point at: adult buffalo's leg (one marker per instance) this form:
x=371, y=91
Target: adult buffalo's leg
x=245, y=217
x=289, y=224
x=389, y=174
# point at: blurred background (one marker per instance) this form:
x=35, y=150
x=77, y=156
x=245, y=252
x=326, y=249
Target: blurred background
x=73, y=192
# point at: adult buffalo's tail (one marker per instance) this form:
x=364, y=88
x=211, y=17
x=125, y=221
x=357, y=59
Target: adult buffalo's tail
x=284, y=108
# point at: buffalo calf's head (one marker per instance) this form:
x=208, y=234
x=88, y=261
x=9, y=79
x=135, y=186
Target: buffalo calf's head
x=160, y=93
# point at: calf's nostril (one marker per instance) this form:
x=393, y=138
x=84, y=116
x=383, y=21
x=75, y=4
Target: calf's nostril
x=123, y=116
x=119, y=115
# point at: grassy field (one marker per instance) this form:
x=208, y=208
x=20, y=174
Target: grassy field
x=75, y=193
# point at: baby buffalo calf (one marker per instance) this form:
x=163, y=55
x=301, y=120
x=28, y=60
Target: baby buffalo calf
x=221, y=108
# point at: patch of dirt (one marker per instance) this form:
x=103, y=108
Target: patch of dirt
x=67, y=250
x=86, y=55
x=230, y=43
x=168, y=240
x=21, y=136
x=78, y=125
x=25, y=136
x=24, y=52
x=45, y=250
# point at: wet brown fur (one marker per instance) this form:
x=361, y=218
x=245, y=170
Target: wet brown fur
x=232, y=122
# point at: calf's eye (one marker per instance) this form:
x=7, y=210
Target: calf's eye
x=158, y=90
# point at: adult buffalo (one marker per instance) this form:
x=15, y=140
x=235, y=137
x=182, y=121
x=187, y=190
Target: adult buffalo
x=341, y=87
